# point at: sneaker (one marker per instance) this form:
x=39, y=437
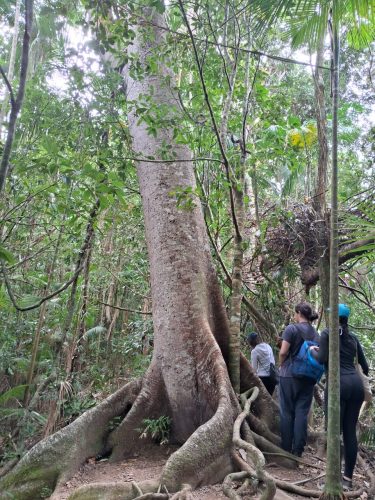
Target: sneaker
x=347, y=484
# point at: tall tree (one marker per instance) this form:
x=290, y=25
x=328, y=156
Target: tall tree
x=187, y=378
x=16, y=100
x=12, y=62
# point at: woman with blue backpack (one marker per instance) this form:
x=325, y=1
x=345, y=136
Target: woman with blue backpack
x=296, y=389
x=351, y=387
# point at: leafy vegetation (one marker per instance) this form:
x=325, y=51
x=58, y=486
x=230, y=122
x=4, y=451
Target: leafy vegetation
x=75, y=298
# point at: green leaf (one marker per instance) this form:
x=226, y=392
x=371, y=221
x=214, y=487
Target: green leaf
x=6, y=255
x=28, y=300
x=97, y=330
x=16, y=392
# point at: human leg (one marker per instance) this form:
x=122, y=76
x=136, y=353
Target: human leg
x=268, y=384
x=286, y=390
x=304, y=394
x=352, y=396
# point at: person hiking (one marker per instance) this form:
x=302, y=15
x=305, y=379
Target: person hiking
x=295, y=393
x=261, y=360
x=351, y=387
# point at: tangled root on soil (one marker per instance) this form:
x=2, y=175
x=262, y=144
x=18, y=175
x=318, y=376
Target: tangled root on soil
x=255, y=470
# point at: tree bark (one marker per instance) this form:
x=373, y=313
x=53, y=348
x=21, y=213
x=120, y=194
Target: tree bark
x=333, y=487
x=188, y=310
x=187, y=379
x=319, y=200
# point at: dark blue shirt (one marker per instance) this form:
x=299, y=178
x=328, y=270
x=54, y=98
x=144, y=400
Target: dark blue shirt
x=295, y=335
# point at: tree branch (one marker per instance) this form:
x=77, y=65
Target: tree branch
x=44, y=299
x=8, y=85
x=124, y=308
x=146, y=160
x=17, y=102
x=213, y=120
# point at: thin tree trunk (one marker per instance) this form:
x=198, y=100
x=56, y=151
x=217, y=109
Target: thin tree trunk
x=81, y=257
x=75, y=364
x=16, y=102
x=12, y=60
x=319, y=200
x=333, y=488
x=236, y=298
x=41, y=320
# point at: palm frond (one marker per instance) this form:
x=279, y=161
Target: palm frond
x=307, y=20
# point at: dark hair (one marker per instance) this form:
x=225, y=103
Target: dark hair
x=306, y=311
x=344, y=332
x=253, y=339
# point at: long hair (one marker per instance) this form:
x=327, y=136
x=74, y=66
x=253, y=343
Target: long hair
x=344, y=332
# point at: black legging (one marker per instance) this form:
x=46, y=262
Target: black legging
x=269, y=384
x=351, y=398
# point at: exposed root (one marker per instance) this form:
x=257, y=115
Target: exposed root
x=258, y=460
x=57, y=457
x=184, y=494
x=280, y=456
x=8, y=466
x=153, y=496
x=303, y=481
x=370, y=475
x=227, y=484
x=123, y=440
x=204, y=458
x=292, y=488
x=116, y=491
x=256, y=455
x=262, y=429
x=329, y=496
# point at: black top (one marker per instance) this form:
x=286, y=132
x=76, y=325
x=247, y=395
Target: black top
x=349, y=346
x=295, y=335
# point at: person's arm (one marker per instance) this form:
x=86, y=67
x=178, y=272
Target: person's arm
x=284, y=351
x=287, y=340
x=361, y=358
x=254, y=359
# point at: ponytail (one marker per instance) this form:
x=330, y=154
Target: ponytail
x=344, y=332
x=306, y=311
x=343, y=320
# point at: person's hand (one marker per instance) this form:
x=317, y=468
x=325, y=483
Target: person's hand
x=314, y=348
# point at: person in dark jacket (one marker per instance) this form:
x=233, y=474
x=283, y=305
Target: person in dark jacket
x=351, y=387
x=295, y=393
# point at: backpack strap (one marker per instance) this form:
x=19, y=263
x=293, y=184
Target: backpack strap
x=302, y=340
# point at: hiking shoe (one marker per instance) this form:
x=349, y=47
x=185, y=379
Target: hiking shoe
x=347, y=484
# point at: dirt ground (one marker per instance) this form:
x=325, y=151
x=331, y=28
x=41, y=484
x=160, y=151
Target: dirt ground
x=149, y=462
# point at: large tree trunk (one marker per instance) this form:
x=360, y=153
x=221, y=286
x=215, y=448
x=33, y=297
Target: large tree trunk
x=188, y=378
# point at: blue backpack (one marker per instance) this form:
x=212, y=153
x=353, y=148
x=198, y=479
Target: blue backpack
x=304, y=365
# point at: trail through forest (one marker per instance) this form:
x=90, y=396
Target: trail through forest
x=149, y=461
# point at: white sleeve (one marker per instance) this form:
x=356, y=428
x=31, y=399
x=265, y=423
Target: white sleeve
x=272, y=357
x=254, y=359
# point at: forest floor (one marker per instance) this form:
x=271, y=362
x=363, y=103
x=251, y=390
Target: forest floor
x=148, y=464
